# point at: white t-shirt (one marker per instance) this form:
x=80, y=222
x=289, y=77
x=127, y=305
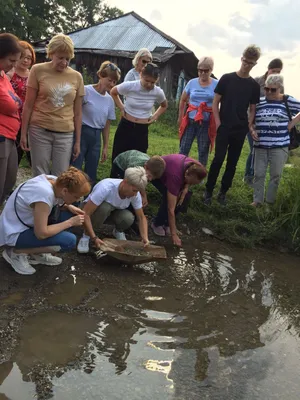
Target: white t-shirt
x=97, y=108
x=37, y=189
x=108, y=190
x=139, y=101
x=132, y=75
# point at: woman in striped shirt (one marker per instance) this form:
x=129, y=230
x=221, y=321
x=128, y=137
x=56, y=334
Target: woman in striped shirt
x=271, y=138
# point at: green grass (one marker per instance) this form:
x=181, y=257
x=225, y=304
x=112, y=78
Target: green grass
x=238, y=222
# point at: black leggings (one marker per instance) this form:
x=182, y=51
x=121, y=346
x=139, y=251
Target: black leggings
x=130, y=136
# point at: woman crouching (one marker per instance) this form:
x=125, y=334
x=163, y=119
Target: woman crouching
x=30, y=226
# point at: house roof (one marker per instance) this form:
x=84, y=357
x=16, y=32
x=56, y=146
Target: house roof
x=127, y=33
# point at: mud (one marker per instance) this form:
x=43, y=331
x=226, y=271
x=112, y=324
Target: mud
x=210, y=322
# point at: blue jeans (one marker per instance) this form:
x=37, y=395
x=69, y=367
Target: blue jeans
x=199, y=131
x=66, y=240
x=90, y=146
x=250, y=162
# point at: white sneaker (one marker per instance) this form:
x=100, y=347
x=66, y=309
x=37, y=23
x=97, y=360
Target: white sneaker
x=19, y=262
x=119, y=235
x=83, y=245
x=45, y=259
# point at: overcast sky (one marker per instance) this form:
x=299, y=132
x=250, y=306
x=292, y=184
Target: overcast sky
x=223, y=28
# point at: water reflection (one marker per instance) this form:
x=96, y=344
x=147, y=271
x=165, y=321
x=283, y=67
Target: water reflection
x=208, y=325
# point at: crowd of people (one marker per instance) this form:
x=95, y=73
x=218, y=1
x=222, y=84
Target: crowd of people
x=47, y=112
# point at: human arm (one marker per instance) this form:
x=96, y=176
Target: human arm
x=294, y=122
x=41, y=228
x=216, y=110
x=183, y=194
x=172, y=201
x=31, y=95
x=182, y=105
x=77, y=124
x=143, y=225
x=252, y=130
x=115, y=95
x=105, y=136
x=144, y=198
x=161, y=109
x=89, y=209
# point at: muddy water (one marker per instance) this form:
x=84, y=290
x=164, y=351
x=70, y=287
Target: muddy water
x=210, y=323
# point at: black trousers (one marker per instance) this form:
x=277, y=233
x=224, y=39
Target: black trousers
x=162, y=217
x=231, y=143
x=130, y=136
x=116, y=172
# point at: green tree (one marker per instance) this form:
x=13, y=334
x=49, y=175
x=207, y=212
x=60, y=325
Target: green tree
x=38, y=19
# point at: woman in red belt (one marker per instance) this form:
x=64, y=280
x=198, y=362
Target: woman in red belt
x=10, y=52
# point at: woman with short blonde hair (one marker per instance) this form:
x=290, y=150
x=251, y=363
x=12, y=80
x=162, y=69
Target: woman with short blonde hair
x=52, y=111
x=141, y=59
x=98, y=110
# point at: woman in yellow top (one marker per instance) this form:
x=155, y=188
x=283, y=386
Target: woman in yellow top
x=52, y=111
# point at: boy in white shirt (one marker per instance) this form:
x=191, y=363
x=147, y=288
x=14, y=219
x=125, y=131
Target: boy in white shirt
x=108, y=203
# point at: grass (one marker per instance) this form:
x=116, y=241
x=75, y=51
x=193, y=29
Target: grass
x=238, y=222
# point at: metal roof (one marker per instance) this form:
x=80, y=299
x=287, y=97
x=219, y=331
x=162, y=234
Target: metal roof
x=126, y=33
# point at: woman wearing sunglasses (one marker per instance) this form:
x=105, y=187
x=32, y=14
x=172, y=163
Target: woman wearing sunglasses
x=271, y=138
x=98, y=110
x=140, y=97
x=141, y=59
x=198, y=121
x=275, y=67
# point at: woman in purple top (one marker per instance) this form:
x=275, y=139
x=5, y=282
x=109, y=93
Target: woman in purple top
x=180, y=173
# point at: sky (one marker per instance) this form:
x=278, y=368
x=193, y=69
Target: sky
x=223, y=28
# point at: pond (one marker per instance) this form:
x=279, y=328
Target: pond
x=211, y=322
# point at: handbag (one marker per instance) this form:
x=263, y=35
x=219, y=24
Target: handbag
x=294, y=133
x=52, y=219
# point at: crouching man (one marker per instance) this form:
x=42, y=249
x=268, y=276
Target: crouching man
x=108, y=203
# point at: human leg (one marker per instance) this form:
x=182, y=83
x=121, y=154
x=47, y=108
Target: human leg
x=261, y=157
x=235, y=145
x=249, y=171
x=161, y=218
x=8, y=167
x=122, y=219
x=187, y=139
x=203, y=142
x=116, y=172
x=41, y=149
x=61, y=152
x=277, y=159
x=222, y=141
x=93, y=154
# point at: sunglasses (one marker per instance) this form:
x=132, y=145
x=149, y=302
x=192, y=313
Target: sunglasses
x=203, y=71
x=145, y=61
x=272, y=90
x=113, y=67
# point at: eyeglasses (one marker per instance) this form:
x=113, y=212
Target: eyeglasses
x=113, y=67
x=272, y=90
x=28, y=58
x=250, y=63
x=145, y=61
x=203, y=71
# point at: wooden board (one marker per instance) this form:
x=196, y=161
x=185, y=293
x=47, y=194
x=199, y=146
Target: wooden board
x=133, y=252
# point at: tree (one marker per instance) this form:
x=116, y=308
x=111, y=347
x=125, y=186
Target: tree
x=34, y=20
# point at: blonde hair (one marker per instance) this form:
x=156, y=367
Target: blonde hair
x=208, y=61
x=141, y=53
x=75, y=180
x=60, y=43
x=252, y=52
x=136, y=176
x=109, y=69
